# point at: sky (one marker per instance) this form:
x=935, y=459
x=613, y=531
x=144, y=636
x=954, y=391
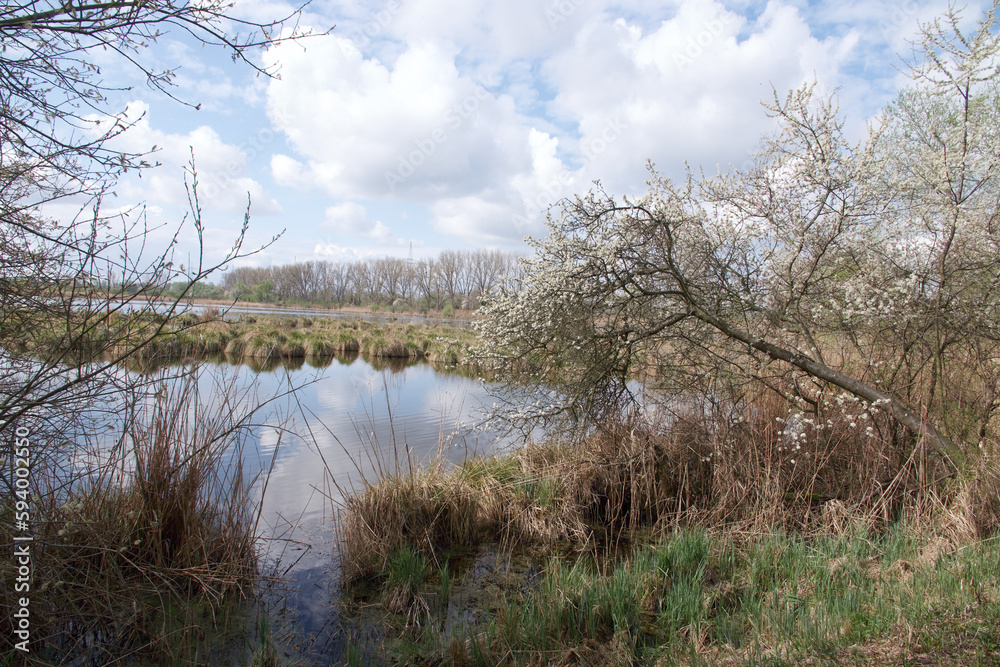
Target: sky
x=416, y=126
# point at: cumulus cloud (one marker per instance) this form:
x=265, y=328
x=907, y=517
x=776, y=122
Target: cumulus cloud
x=688, y=90
x=478, y=116
x=487, y=114
x=290, y=172
x=334, y=252
x=476, y=219
x=417, y=130
x=352, y=219
x=494, y=31
x=223, y=183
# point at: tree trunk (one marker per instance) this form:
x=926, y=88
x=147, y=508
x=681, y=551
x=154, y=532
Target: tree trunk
x=927, y=434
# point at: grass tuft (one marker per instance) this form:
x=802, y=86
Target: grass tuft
x=744, y=535
x=159, y=531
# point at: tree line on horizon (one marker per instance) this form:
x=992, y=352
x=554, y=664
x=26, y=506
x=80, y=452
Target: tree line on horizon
x=455, y=279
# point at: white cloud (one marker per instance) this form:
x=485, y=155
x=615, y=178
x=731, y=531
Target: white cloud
x=494, y=31
x=290, y=172
x=688, y=90
x=351, y=219
x=478, y=220
x=394, y=108
x=416, y=130
x=336, y=253
x=476, y=116
x=223, y=183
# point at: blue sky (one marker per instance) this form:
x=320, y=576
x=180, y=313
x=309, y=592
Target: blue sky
x=455, y=124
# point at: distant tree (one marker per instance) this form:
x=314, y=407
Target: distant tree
x=264, y=291
x=382, y=280
x=486, y=268
x=425, y=275
x=363, y=280
x=238, y=291
x=451, y=265
x=391, y=273
x=339, y=282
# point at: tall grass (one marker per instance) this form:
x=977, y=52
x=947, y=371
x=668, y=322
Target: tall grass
x=753, y=532
x=257, y=340
x=260, y=340
x=426, y=512
x=694, y=598
x=149, y=545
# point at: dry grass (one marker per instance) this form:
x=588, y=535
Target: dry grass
x=130, y=556
x=429, y=511
x=746, y=532
x=758, y=467
x=265, y=339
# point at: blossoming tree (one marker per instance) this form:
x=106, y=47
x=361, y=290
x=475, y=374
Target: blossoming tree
x=871, y=269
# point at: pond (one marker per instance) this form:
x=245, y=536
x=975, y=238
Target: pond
x=240, y=310
x=323, y=432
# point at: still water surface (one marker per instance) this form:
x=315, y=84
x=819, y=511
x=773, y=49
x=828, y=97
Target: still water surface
x=321, y=434
x=240, y=310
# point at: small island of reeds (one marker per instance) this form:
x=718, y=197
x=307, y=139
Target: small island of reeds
x=254, y=340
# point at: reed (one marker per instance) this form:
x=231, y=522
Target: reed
x=250, y=340
x=751, y=533
x=428, y=512
x=131, y=553
x=285, y=338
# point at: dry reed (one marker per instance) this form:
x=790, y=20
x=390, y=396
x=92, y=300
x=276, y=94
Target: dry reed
x=752, y=468
x=165, y=522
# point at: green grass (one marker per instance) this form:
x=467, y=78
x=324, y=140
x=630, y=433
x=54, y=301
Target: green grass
x=698, y=598
x=250, y=340
x=482, y=471
x=777, y=573
x=406, y=569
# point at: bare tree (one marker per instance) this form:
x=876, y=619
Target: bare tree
x=451, y=265
x=486, y=268
x=81, y=289
x=338, y=281
x=425, y=276
x=473, y=275
x=364, y=280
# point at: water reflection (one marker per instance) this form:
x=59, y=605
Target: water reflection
x=323, y=432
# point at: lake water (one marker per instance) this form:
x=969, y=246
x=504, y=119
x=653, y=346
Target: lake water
x=239, y=310
x=321, y=434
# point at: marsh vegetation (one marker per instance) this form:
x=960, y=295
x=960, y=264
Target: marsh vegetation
x=719, y=537
x=770, y=399
x=248, y=339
